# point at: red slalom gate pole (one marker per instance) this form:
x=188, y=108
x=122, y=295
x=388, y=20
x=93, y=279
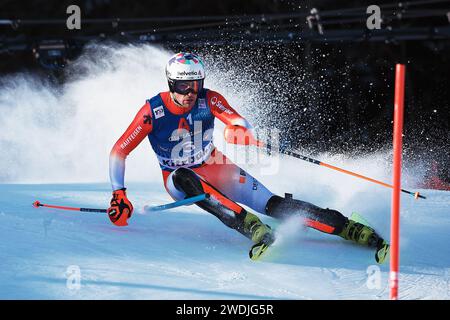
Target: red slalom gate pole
x=395, y=212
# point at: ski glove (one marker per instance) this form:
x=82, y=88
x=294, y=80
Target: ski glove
x=121, y=208
x=241, y=135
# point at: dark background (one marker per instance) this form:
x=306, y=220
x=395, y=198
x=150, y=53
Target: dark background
x=335, y=88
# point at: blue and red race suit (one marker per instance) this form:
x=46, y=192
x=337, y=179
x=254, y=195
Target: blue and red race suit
x=182, y=138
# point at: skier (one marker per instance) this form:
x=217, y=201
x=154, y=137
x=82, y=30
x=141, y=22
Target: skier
x=179, y=125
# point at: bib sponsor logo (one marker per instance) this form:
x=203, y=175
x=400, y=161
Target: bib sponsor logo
x=178, y=135
x=163, y=149
x=201, y=104
x=196, y=158
x=188, y=147
x=159, y=112
x=215, y=101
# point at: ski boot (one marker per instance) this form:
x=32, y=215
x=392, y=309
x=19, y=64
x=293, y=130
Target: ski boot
x=260, y=233
x=366, y=236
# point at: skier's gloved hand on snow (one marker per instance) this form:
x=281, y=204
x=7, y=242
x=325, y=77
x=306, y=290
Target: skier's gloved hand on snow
x=240, y=135
x=121, y=208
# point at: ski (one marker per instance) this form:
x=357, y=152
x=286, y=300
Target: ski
x=382, y=252
x=258, y=249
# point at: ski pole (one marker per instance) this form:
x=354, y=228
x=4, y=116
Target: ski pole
x=320, y=163
x=37, y=204
x=171, y=205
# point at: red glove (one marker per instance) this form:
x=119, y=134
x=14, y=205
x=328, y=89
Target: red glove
x=241, y=135
x=121, y=208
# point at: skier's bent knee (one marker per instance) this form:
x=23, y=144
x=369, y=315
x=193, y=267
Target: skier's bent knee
x=187, y=181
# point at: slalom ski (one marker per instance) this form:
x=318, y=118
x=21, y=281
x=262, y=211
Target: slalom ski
x=382, y=252
x=257, y=250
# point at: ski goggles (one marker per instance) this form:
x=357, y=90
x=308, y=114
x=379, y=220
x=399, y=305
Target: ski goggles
x=186, y=86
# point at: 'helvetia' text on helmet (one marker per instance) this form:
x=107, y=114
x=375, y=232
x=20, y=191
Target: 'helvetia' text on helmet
x=184, y=66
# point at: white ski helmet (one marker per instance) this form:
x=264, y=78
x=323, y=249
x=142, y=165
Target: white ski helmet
x=184, y=66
